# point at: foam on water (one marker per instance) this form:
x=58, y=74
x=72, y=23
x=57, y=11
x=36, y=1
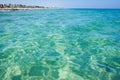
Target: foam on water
x=62, y=44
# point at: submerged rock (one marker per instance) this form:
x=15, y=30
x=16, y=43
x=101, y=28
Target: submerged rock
x=16, y=77
x=38, y=71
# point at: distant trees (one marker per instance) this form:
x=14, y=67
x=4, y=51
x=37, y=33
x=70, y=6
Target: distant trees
x=18, y=6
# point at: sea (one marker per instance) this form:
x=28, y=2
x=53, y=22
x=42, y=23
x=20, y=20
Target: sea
x=60, y=44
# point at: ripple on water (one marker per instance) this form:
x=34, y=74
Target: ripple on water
x=54, y=60
x=55, y=45
x=6, y=53
x=2, y=71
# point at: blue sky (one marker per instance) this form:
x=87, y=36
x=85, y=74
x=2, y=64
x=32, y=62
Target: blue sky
x=69, y=3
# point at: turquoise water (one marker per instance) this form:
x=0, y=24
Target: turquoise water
x=62, y=44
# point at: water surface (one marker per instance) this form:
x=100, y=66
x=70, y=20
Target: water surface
x=62, y=44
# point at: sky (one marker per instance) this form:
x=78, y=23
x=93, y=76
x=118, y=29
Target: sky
x=68, y=3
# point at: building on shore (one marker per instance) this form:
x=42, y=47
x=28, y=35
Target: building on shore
x=18, y=6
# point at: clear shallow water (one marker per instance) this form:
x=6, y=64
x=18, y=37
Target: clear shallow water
x=66, y=44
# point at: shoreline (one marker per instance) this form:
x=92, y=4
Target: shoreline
x=14, y=9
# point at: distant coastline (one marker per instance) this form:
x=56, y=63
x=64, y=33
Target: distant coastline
x=14, y=7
